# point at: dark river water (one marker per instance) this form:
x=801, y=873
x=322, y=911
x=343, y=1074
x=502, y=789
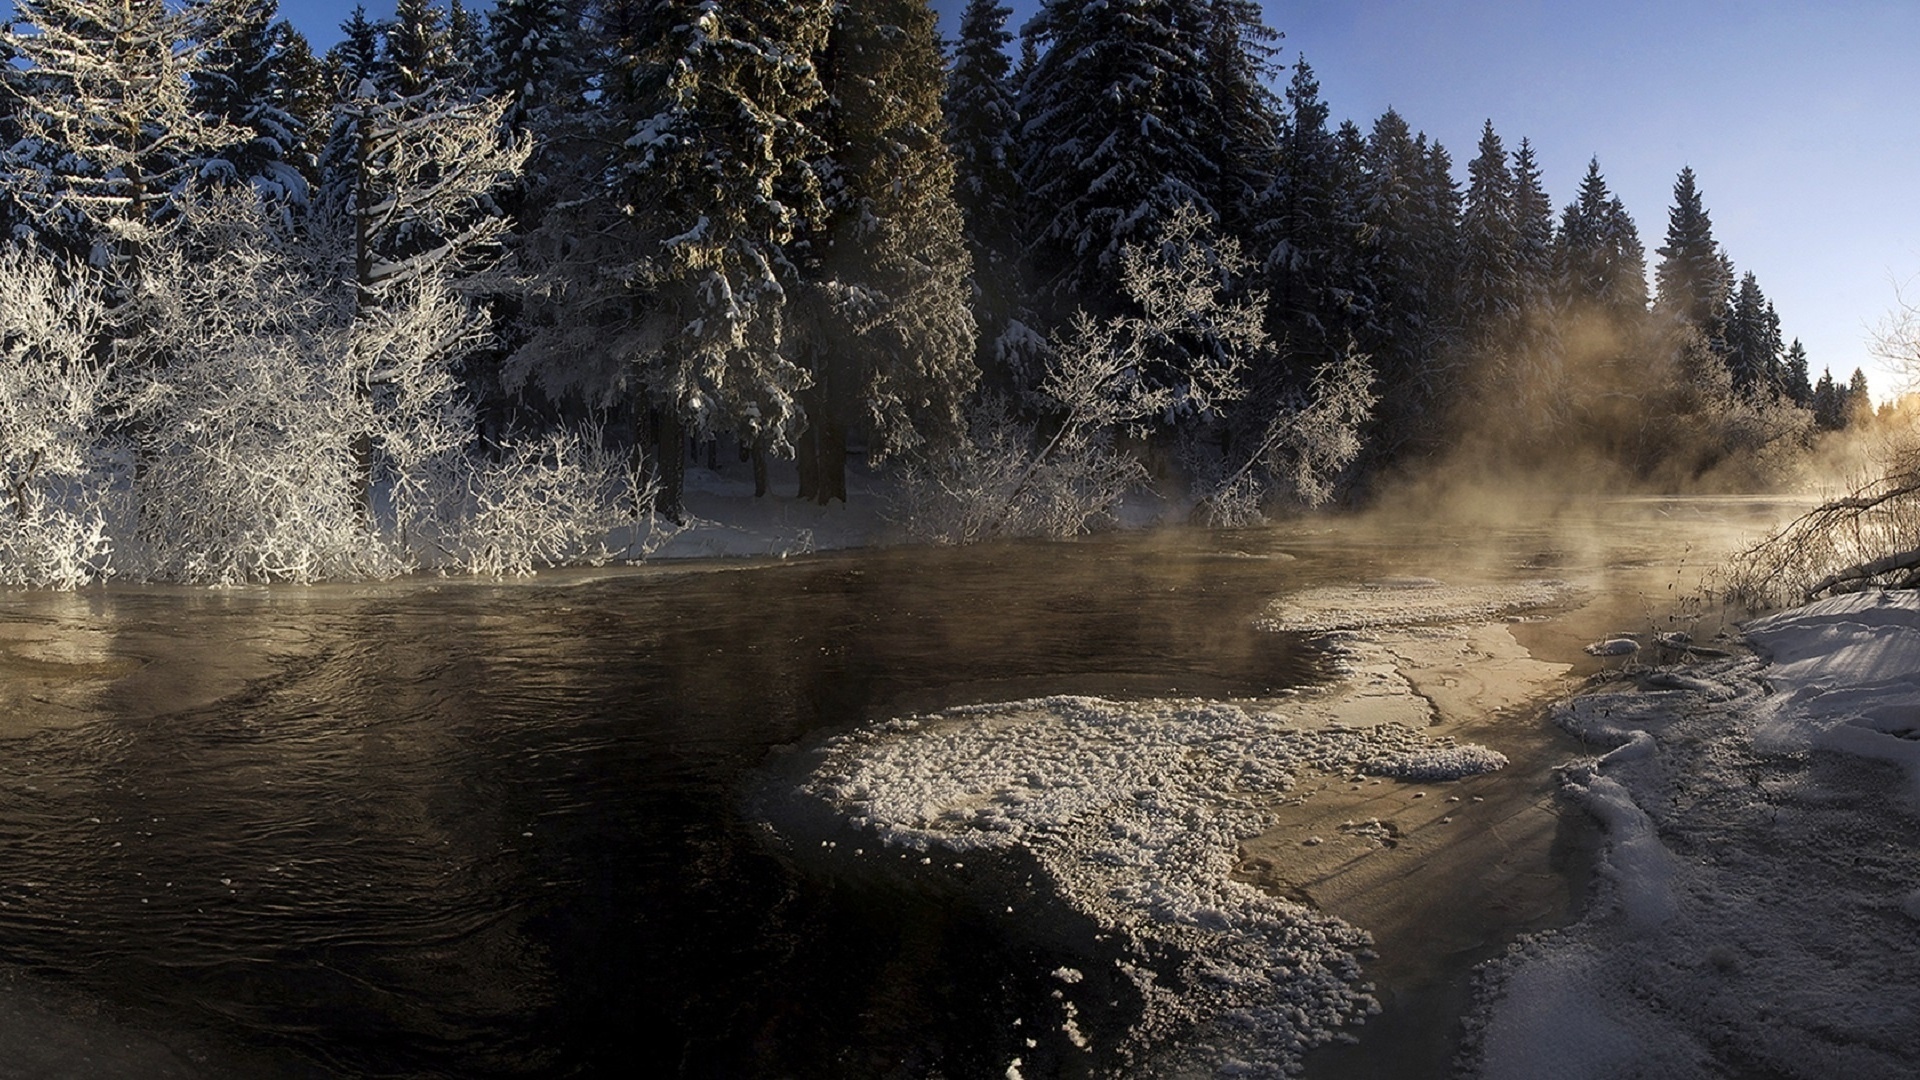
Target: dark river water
x=452, y=829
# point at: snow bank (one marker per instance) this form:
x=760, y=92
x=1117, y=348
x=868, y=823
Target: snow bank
x=1134, y=813
x=1757, y=901
x=1848, y=672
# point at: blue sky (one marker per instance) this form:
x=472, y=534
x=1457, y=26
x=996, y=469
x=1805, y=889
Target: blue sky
x=1801, y=120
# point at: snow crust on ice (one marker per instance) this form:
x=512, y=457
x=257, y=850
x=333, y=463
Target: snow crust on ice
x=1396, y=602
x=1134, y=813
x=1434, y=764
x=1757, y=904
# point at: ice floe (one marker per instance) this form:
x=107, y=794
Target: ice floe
x=1394, y=602
x=1134, y=812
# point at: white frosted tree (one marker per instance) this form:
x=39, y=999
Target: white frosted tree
x=1069, y=474
x=407, y=207
x=108, y=133
x=55, y=464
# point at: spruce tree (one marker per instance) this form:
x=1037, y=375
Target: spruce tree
x=534, y=53
x=1858, y=401
x=1600, y=265
x=1114, y=137
x=1308, y=228
x=880, y=318
x=982, y=121
x=1751, y=342
x=716, y=173
x=1799, y=388
x=109, y=135
x=357, y=56
x=1694, y=278
x=1412, y=253
x=418, y=52
x=1242, y=124
x=247, y=81
x=1829, y=403
x=1533, y=227
x=1490, y=235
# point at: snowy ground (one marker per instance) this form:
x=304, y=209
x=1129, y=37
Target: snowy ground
x=1144, y=816
x=725, y=520
x=1758, y=905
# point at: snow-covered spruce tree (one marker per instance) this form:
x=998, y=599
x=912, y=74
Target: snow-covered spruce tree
x=713, y=177
x=536, y=55
x=1533, y=223
x=356, y=57
x=1309, y=229
x=880, y=318
x=56, y=466
x=108, y=133
x=982, y=121
x=1490, y=301
x=1113, y=140
x=1799, y=384
x=1243, y=119
x=247, y=82
x=1600, y=265
x=1754, y=348
x=417, y=53
x=465, y=46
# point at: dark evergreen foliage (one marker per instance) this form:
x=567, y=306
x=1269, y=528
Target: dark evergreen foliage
x=1695, y=279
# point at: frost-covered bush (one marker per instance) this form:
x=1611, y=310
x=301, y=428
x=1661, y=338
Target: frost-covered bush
x=55, y=463
x=1182, y=354
x=247, y=419
x=1307, y=449
x=288, y=433
x=1867, y=538
x=1004, y=482
x=540, y=503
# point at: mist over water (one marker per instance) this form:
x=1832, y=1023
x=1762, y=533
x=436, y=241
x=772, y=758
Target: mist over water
x=454, y=829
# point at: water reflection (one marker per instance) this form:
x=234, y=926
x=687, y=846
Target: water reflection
x=451, y=829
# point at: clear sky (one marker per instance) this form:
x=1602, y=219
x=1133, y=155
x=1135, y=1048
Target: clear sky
x=1801, y=120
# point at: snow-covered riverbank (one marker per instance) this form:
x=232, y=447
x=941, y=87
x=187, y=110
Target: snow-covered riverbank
x=1758, y=902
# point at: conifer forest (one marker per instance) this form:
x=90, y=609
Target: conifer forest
x=474, y=289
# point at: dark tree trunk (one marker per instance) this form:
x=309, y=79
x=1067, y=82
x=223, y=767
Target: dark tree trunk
x=670, y=463
x=759, y=456
x=832, y=466
x=806, y=458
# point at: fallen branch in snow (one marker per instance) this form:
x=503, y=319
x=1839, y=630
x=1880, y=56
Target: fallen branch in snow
x=1867, y=538
x=1866, y=573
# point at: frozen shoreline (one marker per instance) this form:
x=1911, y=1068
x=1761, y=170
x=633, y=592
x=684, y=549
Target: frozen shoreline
x=1757, y=907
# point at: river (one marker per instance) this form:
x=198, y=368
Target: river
x=446, y=828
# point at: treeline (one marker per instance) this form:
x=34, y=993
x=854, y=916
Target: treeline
x=414, y=300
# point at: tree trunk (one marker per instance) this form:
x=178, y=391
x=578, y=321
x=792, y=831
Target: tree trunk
x=806, y=456
x=670, y=463
x=832, y=465
x=759, y=455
